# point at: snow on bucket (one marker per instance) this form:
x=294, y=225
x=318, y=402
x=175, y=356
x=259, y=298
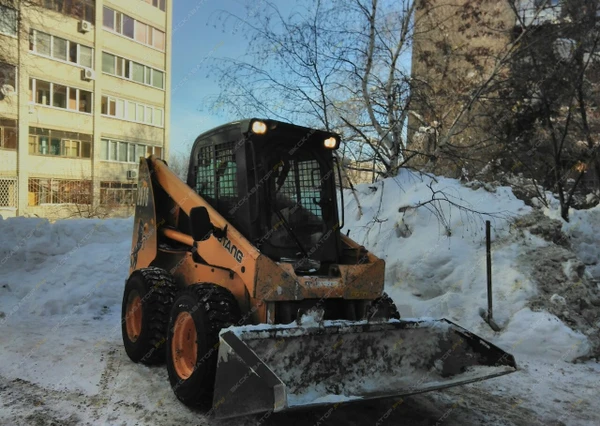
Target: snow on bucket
x=278, y=367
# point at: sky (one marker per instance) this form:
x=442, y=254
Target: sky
x=200, y=36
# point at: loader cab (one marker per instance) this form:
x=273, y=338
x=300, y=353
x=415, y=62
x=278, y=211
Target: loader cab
x=275, y=182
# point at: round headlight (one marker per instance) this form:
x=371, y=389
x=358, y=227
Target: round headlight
x=259, y=127
x=330, y=143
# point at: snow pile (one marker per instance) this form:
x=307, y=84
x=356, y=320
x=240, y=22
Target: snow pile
x=65, y=267
x=435, y=258
x=583, y=229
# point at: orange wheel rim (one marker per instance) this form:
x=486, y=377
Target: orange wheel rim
x=184, y=348
x=133, y=316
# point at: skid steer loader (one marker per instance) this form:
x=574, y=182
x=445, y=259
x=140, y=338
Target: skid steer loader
x=241, y=280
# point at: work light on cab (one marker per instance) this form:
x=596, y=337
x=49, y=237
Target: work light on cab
x=259, y=127
x=330, y=143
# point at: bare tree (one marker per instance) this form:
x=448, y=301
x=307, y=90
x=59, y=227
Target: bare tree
x=336, y=65
x=553, y=94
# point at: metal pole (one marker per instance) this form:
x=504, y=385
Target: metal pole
x=488, y=248
x=488, y=317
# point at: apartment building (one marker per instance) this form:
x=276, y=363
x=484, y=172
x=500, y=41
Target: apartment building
x=456, y=48
x=84, y=93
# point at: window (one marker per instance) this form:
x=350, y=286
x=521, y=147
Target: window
x=117, y=193
x=85, y=101
x=113, y=151
x=158, y=79
x=42, y=43
x=86, y=56
x=127, y=26
x=60, y=96
x=59, y=191
x=59, y=143
x=8, y=133
x=140, y=113
x=131, y=70
x=161, y=4
x=9, y=196
x=205, y=175
x=226, y=171
x=132, y=111
x=108, y=63
x=61, y=49
x=108, y=18
x=158, y=117
x=141, y=32
x=42, y=92
x=8, y=20
x=78, y=9
x=122, y=152
x=8, y=75
x=137, y=72
x=158, y=39
x=71, y=148
x=126, y=152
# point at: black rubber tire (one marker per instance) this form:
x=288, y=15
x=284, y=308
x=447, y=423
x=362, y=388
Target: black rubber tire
x=383, y=308
x=156, y=288
x=212, y=308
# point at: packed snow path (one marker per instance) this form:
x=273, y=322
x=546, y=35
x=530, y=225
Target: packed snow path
x=62, y=360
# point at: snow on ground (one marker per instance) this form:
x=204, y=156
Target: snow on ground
x=439, y=270
x=61, y=284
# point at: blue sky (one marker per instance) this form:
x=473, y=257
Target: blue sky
x=199, y=35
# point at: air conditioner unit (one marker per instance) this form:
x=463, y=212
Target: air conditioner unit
x=85, y=26
x=6, y=90
x=132, y=174
x=88, y=74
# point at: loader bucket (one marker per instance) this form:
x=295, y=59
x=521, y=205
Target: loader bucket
x=279, y=367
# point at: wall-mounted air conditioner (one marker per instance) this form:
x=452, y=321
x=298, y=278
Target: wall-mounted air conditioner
x=132, y=174
x=88, y=74
x=6, y=90
x=85, y=26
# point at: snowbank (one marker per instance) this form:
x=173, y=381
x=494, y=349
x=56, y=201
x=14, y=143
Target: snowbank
x=435, y=258
x=583, y=229
x=60, y=268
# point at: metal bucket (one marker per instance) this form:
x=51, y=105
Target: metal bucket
x=279, y=367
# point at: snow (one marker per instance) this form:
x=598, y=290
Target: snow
x=583, y=229
x=439, y=270
x=61, y=286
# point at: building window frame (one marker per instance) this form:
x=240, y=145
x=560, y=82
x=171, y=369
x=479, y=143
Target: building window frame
x=51, y=191
x=86, y=11
x=6, y=20
x=33, y=99
x=159, y=4
x=9, y=134
x=118, y=27
x=122, y=108
x=114, y=193
x=33, y=49
x=9, y=75
x=59, y=144
x=127, y=66
x=109, y=151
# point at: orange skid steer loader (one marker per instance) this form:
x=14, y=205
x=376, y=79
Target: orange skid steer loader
x=241, y=281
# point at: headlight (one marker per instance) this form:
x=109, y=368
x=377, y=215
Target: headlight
x=259, y=127
x=330, y=143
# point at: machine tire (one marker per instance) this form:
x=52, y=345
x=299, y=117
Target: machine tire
x=200, y=310
x=152, y=290
x=383, y=308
